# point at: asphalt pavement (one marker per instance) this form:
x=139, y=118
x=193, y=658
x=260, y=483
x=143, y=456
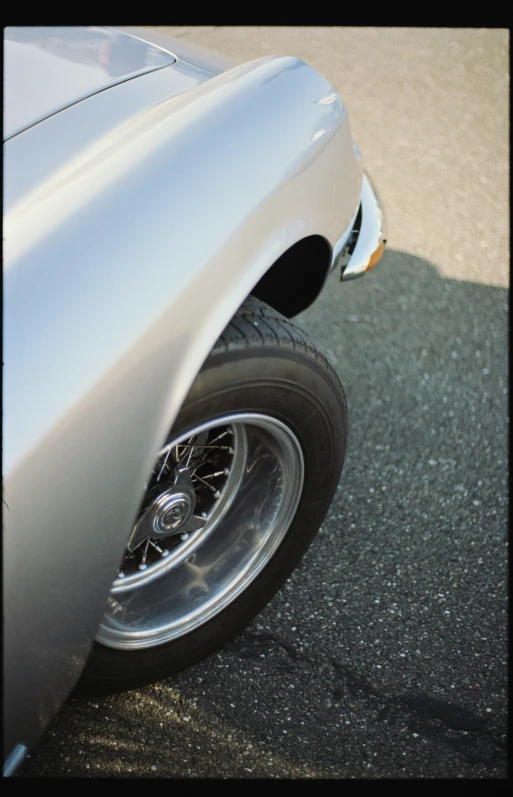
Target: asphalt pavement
x=385, y=655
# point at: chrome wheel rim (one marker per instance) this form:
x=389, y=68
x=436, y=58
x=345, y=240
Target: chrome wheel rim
x=210, y=534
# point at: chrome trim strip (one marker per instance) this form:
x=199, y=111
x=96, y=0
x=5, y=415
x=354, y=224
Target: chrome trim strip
x=338, y=249
x=372, y=234
x=146, y=41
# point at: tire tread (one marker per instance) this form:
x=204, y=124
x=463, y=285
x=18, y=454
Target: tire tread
x=255, y=323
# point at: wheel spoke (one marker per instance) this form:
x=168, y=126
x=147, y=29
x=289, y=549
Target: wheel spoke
x=219, y=448
x=210, y=486
x=143, y=565
x=220, y=436
x=213, y=475
x=190, y=455
x=184, y=452
x=157, y=547
x=176, y=474
x=164, y=465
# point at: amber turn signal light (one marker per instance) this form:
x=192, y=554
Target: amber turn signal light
x=376, y=256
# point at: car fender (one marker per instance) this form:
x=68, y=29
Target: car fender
x=121, y=269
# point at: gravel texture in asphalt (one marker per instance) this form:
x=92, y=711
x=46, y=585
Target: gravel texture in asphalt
x=385, y=654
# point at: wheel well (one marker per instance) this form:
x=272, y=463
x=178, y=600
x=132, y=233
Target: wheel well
x=295, y=280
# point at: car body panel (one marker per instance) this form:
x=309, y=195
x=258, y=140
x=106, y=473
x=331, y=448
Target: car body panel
x=197, y=58
x=47, y=69
x=136, y=223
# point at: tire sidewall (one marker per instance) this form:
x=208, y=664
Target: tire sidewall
x=297, y=389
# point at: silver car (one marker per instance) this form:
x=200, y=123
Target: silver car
x=172, y=440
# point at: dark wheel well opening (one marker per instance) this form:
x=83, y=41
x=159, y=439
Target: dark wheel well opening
x=295, y=280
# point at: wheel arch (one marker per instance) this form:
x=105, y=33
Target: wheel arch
x=295, y=279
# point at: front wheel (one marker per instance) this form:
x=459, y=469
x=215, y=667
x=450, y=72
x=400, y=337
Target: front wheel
x=237, y=494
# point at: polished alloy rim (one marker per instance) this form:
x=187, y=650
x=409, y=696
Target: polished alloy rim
x=218, y=504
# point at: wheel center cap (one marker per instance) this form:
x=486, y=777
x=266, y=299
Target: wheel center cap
x=172, y=511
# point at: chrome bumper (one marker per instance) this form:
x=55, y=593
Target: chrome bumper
x=360, y=248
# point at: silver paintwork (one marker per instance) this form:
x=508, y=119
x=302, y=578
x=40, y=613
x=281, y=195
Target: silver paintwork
x=263, y=502
x=136, y=221
x=47, y=69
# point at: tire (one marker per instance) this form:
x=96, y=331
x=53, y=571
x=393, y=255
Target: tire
x=266, y=366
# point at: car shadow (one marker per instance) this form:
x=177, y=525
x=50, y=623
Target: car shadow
x=385, y=652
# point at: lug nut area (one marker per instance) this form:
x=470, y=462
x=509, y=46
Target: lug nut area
x=193, y=475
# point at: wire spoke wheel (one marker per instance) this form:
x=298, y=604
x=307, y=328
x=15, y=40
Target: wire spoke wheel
x=217, y=506
x=235, y=497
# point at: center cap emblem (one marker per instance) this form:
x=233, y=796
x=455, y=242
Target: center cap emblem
x=173, y=512
x=174, y=516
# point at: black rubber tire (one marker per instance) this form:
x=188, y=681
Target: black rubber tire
x=261, y=363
